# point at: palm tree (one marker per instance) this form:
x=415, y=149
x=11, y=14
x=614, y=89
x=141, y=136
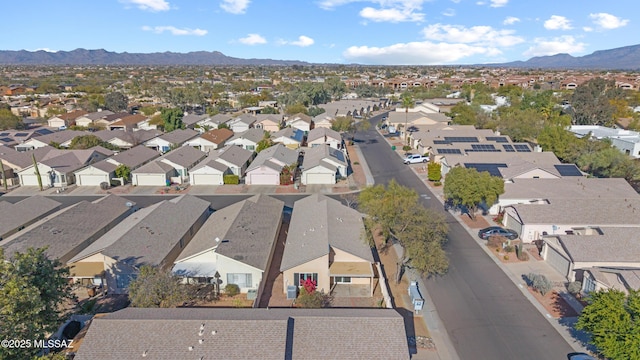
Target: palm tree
x=407, y=102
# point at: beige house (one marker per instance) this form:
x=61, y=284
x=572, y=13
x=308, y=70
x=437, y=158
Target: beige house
x=268, y=122
x=324, y=243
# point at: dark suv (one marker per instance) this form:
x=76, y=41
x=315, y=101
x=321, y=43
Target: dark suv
x=497, y=231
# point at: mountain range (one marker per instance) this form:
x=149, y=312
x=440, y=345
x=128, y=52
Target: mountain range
x=623, y=58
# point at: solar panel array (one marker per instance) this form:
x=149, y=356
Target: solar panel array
x=441, y=142
x=449, y=151
x=6, y=139
x=467, y=139
x=522, y=148
x=483, y=147
x=21, y=134
x=4, y=134
x=492, y=169
x=568, y=170
x=498, y=139
x=508, y=148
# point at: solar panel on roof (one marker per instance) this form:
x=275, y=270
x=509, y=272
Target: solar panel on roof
x=6, y=139
x=449, y=151
x=509, y=148
x=482, y=147
x=461, y=138
x=568, y=170
x=338, y=154
x=21, y=134
x=522, y=148
x=4, y=134
x=498, y=139
x=492, y=169
x=441, y=142
x=44, y=131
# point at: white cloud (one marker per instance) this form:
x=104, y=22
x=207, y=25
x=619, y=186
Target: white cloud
x=557, y=22
x=607, y=21
x=414, y=53
x=587, y=29
x=449, y=12
x=390, y=15
x=253, y=39
x=174, y=30
x=455, y=1
x=559, y=45
x=386, y=11
x=235, y=6
x=476, y=35
x=44, y=49
x=149, y=5
x=510, y=20
x=303, y=41
x=498, y=3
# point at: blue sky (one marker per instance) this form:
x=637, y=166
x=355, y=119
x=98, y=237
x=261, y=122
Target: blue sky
x=393, y=32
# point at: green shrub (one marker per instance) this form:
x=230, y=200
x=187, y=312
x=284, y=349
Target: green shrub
x=542, y=284
x=356, y=163
x=232, y=179
x=437, y=183
x=574, y=287
x=406, y=148
x=434, y=170
x=509, y=248
x=506, y=257
x=232, y=290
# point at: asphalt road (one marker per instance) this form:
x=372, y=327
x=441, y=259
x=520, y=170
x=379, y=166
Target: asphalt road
x=485, y=314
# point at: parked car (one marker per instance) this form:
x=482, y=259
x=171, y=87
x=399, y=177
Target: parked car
x=497, y=231
x=415, y=159
x=580, y=356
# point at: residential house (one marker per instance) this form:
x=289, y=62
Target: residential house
x=65, y=120
x=185, y=333
x=214, y=121
x=147, y=237
x=15, y=161
x=110, y=119
x=70, y=230
x=210, y=140
x=154, y=173
x=57, y=167
x=268, y=122
x=323, y=165
x=168, y=141
x=209, y=172
x=191, y=121
x=290, y=137
x=300, y=121
x=237, y=242
x=182, y=160
x=322, y=135
x=604, y=278
x=59, y=138
x=627, y=141
x=127, y=123
x=247, y=140
x=242, y=123
x=324, y=244
x=233, y=157
x=90, y=119
x=105, y=170
x=16, y=217
x=268, y=165
x=134, y=157
x=323, y=121
x=129, y=139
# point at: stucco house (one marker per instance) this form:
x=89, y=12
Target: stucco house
x=234, y=157
x=266, y=168
x=290, y=137
x=247, y=140
x=210, y=140
x=57, y=167
x=300, y=121
x=323, y=165
x=324, y=243
x=209, y=172
x=322, y=135
x=170, y=140
x=242, y=123
x=268, y=122
x=90, y=118
x=237, y=242
x=65, y=120
x=182, y=160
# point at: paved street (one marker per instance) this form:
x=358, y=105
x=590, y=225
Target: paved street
x=485, y=314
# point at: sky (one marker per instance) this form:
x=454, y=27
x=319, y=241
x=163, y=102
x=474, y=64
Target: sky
x=374, y=32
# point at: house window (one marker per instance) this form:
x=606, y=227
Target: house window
x=251, y=147
x=589, y=284
x=242, y=280
x=299, y=278
x=122, y=281
x=342, y=280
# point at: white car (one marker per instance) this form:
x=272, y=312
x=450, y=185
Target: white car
x=415, y=159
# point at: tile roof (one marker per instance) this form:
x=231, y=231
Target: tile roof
x=116, y=116
x=67, y=232
x=274, y=334
x=24, y=212
x=217, y=136
x=150, y=240
x=72, y=115
x=277, y=152
x=319, y=223
x=185, y=156
x=247, y=231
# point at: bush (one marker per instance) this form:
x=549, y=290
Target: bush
x=574, y=287
x=509, y=248
x=314, y=299
x=496, y=241
x=437, y=183
x=542, y=284
x=231, y=290
x=231, y=179
x=356, y=163
x=406, y=148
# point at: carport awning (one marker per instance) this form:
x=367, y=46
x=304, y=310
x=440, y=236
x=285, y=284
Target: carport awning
x=192, y=269
x=86, y=269
x=351, y=269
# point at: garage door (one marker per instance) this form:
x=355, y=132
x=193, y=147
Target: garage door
x=151, y=180
x=514, y=224
x=263, y=179
x=206, y=179
x=31, y=180
x=557, y=261
x=92, y=179
x=320, y=179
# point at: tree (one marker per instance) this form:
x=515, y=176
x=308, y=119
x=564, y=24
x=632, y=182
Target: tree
x=33, y=290
x=295, y=109
x=557, y=140
x=172, y=119
x=407, y=102
x=590, y=103
x=267, y=110
x=116, y=101
x=156, y=288
x=315, y=111
x=123, y=171
x=85, y=142
x=396, y=211
x=434, y=171
x=343, y=124
x=10, y=121
x=612, y=318
x=470, y=188
x=265, y=143
x=462, y=114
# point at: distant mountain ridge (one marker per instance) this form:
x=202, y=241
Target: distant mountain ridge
x=622, y=58
x=103, y=57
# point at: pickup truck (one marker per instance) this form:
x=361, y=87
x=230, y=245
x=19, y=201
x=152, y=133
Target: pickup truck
x=415, y=159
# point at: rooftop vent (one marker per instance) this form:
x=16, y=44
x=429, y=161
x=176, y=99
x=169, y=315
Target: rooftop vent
x=190, y=348
x=144, y=353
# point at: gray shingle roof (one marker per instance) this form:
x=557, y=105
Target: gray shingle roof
x=24, y=212
x=154, y=167
x=245, y=119
x=318, y=223
x=247, y=231
x=60, y=136
x=185, y=156
x=136, y=156
x=569, y=188
x=179, y=136
x=277, y=152
x=135, y=137
x=98, y=115
x=150, y=240
x=592, y=212
x=212, y=163
x=273, y=333
x=321, y=132
x=232, y=154
x=619, y=245
x=220, y=119
x=314, y=156
x=254, y=135
x=68, y=232
x=191, y=119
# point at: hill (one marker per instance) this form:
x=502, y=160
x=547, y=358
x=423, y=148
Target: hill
x=103, y=57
